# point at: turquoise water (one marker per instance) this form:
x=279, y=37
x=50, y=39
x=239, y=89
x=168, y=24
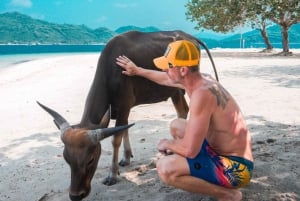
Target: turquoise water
x=12, y=59
x=34, y=49
x=8, y=60
x=14, y=54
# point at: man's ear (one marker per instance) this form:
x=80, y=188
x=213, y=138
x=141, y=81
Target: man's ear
x=183, y=71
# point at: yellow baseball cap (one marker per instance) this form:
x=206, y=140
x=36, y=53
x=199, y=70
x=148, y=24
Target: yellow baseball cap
x=179, y=53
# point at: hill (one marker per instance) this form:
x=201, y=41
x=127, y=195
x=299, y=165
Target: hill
x=19, y=29
x=130, y=28
x=254, y=39
x=16, y=28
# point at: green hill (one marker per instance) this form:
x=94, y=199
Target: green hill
x=18, y=28
x=254, y=38
x=129, y=28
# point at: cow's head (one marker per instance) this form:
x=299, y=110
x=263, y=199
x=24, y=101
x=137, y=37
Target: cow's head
x=82, y=151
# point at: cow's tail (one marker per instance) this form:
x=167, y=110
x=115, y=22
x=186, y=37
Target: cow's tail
x=210, y=57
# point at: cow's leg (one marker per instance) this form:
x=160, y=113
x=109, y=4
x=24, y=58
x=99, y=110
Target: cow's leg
x=127, y=150
x=180, y=105
x=116, y=142
x=123, y=117
x=111, y=179
x=127, y=154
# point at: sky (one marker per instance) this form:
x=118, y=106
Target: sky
x=112, y=14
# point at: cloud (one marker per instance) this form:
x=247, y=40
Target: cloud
x=21, y=3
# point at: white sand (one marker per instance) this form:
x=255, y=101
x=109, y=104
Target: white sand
x=266, y=87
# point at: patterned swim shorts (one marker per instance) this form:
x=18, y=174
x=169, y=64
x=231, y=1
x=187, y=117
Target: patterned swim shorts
x=226, y=171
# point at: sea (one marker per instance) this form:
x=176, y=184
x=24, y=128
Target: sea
x=11, y=54
x=14, y=54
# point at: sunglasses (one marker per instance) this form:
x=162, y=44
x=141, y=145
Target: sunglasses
x=170, y=65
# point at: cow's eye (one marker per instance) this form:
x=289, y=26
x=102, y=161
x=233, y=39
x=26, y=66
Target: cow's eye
x=91, y=162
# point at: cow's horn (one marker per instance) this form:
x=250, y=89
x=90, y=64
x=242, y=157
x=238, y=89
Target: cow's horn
x=99, y=134
x=59, y=121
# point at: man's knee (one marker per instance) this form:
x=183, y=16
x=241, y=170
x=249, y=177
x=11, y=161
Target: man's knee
x=164, y=169
x=174, y=123
x=160, y=169
x=177, y=128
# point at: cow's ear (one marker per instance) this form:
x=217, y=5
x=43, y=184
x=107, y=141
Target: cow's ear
x=105, y=119
x=102, y=133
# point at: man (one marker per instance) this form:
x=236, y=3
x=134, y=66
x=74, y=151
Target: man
x=212, y=152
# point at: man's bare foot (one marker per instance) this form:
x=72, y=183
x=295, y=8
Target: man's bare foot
x=235, y=195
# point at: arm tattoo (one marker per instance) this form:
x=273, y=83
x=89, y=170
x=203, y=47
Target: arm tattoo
x=221, y=94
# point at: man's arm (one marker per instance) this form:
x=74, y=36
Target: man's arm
x=158, y=77
x=201, y=110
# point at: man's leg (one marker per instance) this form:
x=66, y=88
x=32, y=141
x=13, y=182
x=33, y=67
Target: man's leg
x=174, y=171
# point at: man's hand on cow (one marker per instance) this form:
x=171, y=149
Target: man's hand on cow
x=129, y=67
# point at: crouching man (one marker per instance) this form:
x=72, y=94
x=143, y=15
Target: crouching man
x=212, y=152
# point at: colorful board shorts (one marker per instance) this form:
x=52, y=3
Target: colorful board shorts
x=226, y=171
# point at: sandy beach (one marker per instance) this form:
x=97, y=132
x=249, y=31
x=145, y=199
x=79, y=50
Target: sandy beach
x=266, y=87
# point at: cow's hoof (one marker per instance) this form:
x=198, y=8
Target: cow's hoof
x=124, y=163
x=109, y=181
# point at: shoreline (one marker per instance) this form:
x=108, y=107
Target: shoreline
x=9, y=60
x=267, y=90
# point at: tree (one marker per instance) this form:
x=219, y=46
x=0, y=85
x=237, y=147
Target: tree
x=217, y=15
x=254, y=12
x=285, y=13
x=226, y=15
x=261, y=25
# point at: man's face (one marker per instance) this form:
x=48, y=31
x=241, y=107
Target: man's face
x=174, y=74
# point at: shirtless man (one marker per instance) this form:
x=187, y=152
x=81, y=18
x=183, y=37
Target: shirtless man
x=212, y=152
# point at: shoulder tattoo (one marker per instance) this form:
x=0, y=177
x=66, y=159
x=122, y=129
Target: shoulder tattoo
x=221, y=94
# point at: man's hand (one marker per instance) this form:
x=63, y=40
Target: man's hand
x=129, y=67
x=162, y=146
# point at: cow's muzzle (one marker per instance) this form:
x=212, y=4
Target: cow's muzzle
x=77, y=197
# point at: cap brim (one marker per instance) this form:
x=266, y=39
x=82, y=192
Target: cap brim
x=161, y=63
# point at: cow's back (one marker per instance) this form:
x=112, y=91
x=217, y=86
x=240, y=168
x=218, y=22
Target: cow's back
x=141, y=48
